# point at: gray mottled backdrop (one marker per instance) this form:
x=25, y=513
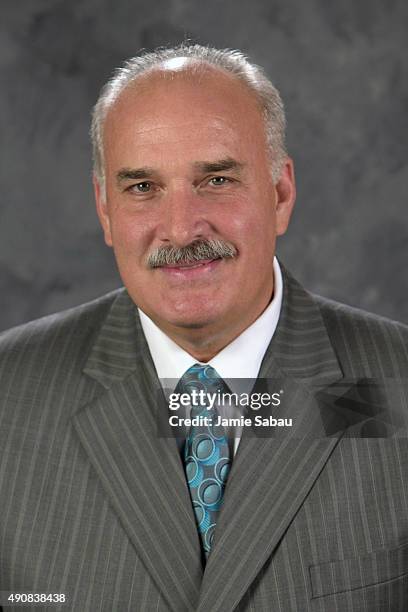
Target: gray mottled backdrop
x=342, y=70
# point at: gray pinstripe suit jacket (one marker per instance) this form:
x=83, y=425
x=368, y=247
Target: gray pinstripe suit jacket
x=95, y=505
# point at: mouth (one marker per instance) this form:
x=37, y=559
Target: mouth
x=190, y=271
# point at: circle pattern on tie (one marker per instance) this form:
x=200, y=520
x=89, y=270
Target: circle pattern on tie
x=203, y=447
x=206, y=454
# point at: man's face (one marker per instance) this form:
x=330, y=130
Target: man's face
x=186, y=160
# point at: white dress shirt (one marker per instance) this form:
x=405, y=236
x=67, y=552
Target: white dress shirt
x=241, y=359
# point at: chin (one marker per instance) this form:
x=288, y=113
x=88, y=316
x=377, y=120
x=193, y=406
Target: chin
x=191, y=318
x=191, y=321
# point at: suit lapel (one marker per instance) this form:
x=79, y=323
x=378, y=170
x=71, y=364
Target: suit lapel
x=141, y=473
x=271, y=477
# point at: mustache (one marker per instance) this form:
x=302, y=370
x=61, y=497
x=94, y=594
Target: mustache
x=193, y=252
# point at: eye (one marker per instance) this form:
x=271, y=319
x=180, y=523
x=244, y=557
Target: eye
x=218, y=181
x=142, y=187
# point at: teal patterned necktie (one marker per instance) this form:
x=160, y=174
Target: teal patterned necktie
x=206, y=454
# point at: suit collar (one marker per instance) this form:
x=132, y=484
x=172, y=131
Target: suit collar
x=120, y=344
x=301, y=347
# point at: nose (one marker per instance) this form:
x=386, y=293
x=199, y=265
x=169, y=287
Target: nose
x=182, y=217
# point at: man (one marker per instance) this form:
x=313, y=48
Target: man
x=193, y=185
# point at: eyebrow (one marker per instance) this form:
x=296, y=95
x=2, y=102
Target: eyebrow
x=133, y=174
x=221, y=165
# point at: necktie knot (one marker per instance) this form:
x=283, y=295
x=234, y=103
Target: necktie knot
x=201, y=377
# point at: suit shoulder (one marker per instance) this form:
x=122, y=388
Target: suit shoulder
x=378, y=344
x=336, y=311
x=69, y=330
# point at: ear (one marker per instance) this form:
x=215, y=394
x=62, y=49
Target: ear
x=102, y=210
x=285, y=196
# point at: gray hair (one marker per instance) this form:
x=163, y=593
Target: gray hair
x=230, y=61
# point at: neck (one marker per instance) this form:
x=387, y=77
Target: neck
x=204, y=343
x=202, y=349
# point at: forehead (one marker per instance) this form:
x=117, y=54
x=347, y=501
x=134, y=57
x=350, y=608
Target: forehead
x=172, y=106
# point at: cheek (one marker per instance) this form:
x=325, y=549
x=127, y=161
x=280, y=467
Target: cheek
x=251, y=225
x=130, y=234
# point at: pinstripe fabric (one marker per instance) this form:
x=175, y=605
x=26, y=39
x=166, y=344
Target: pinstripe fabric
x=309, y=523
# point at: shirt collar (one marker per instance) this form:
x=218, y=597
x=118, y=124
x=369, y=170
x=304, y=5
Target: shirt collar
x=171, y=361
